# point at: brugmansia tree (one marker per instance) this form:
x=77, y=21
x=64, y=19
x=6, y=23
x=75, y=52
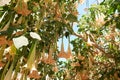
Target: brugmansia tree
x=99, y=41
x=29, y=32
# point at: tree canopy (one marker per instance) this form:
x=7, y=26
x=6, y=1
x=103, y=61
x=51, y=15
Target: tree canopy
x=30, y=30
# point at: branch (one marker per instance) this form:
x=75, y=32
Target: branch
x=94, y=44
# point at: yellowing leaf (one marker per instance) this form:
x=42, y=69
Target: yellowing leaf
x=12, y=50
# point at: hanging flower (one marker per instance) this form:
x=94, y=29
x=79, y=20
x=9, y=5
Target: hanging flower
x=77, y=77
x=99, y=19
x=4, y=2
x=20, y=41
x=18, y=32
x=2, y=64
x=55, y=69
x=69, y=54
x=6, y=50
x=81, y=1
x=75, y=64
x=22, y=8
x=48, y=58
x=34, y=73
x=47, y=77
x=89, y=43
x=3, y=40
x=84, y=75
x=50, y=61
x=19, y=76
x=62, y=53
x=35, y=35
x=80, y=57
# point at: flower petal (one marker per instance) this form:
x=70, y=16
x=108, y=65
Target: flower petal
x=20, y=41
x=35, y=35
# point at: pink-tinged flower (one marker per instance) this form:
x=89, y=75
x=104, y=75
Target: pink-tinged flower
x=89, y=43
x=34, y=73
x=22, y=8
x=81, y=1
x=99, y=19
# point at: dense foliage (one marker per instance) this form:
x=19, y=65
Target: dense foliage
x=101, y=29
x=29, y=32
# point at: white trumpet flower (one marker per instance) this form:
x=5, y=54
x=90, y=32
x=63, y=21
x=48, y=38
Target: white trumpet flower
x=35, y=35
x=20, y=41
x=4, y=2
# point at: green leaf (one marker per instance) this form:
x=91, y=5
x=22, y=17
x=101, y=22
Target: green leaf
x=72, y=18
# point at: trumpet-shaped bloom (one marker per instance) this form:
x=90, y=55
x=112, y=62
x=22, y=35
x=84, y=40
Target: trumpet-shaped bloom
x=35, y=35
x=99, y=18
x=20, y=41
x=3, y=2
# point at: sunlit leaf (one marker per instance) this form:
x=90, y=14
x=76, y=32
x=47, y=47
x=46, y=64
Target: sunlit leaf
x=12, y=50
